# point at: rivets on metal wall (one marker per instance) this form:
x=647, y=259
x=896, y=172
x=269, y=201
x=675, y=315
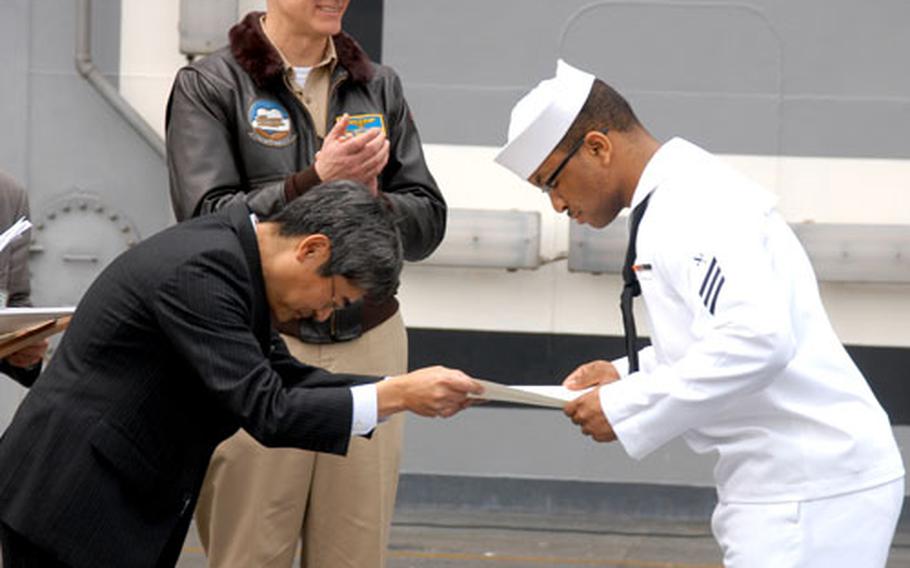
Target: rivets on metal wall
x=80, y=221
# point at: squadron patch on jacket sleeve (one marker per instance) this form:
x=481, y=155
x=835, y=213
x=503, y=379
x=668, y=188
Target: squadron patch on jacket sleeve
x=270, y=123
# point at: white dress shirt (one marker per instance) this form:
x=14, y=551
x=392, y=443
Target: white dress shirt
x=744, y=362
x=365, y=416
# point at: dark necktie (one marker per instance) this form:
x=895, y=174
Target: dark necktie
x=631, y=288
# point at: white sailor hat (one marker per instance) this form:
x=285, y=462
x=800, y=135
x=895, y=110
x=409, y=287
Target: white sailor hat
x=542, y=117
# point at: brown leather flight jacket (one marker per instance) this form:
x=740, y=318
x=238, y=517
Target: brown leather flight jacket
x=236, y=132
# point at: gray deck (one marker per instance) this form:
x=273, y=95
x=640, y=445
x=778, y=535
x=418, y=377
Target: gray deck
x=444, y=539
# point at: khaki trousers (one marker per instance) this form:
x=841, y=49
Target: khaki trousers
x=257, y=503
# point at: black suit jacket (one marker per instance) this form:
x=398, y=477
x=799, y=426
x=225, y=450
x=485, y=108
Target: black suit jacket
x=169, y=352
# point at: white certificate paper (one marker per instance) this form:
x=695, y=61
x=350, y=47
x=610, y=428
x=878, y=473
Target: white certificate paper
x=550, y=396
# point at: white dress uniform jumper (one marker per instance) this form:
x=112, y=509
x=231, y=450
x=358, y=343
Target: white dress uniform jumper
x=744, y=363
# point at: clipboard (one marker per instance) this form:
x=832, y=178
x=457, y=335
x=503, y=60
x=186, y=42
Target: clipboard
x=21, y=327
x=16, y=319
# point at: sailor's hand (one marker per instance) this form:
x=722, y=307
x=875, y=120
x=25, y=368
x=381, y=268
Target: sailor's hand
x=591, y=374
x=586, y=412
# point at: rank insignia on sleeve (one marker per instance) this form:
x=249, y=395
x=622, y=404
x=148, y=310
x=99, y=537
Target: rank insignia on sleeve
x=711, y=285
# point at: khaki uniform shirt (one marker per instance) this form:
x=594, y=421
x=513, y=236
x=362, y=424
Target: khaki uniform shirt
x=314, y=95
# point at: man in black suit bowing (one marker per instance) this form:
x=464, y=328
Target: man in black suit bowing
x=171, y=350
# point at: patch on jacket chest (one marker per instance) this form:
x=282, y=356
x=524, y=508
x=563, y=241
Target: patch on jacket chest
x=270, y=123
x=357, y=123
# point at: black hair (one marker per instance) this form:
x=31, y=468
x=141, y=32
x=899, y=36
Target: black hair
x=366, y=247
x=604, y=108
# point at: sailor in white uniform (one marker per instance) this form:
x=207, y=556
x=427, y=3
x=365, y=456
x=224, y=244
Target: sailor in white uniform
x=744, y=362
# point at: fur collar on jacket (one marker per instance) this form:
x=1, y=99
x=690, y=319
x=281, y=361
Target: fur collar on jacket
x=255, y=53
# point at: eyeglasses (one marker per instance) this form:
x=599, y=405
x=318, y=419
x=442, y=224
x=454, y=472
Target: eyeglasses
x=334, y=303
x=327, y=311
x=550, y=183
